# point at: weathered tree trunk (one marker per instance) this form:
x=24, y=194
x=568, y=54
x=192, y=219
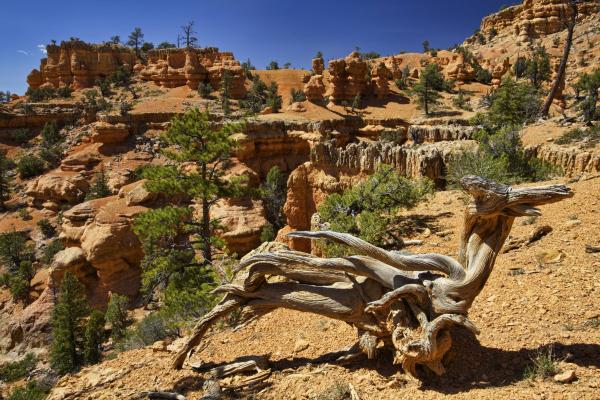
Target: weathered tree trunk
x=407, y=302
x=573, y=4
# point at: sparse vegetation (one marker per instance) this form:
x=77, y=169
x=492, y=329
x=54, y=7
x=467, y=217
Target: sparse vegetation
x=93, y=337
x=273, y=65
x=33, y=390
x=589, y=84
x=338, y=391
x=297, y=95
x=538, y=68
x=461, y=101
x=204, y=90
x=5, y=179
x=50, y=251
x=47, y=229
x=273, y=99
x=543, y=365
x=586, y=138
x=12, y=371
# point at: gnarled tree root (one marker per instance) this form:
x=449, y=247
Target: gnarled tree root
x=409, y=302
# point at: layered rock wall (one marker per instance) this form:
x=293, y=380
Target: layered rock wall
x=572, y=160
x=77, y=64
x=534, y=18
x=178, y=67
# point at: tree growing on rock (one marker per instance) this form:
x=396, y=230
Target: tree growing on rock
x=99, y=188
x=136, y=38
x=199, y=152
x=273, y=99
x=68, y=325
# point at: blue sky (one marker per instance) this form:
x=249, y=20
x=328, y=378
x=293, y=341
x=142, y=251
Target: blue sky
x=262, y=30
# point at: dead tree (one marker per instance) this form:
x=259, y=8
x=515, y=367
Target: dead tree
x=406, y=302
x=560, y=74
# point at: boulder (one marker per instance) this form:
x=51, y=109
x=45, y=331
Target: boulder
x=314, y=90
x=106, y=133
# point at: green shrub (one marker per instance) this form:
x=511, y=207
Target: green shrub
x=150, y=329
x=20, y=137
x=19, y=287
x=479, y=164
x=50, y=251
x=483, y=76
x=121, y=77
x=12, y=371
x=369, y=209
x=273, y=193
x=273, y=100
x=51, y=135
x=33, y=390
x=30, y=166
x=461, y=101
x=14, y=249
x=99, y=188
x=116, y=316
x=204, y=90
x=267, y=233
x=47, y=229
x=64, y=91
x=41, y=94
x=587, y=138
x=297, y=96
x=543, y=365
x=51, y=155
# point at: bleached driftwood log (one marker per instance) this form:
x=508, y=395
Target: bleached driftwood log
x=407, y=302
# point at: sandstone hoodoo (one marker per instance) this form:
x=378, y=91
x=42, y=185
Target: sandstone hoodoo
x=178, y=67
x=79, y=65
x=178, y=224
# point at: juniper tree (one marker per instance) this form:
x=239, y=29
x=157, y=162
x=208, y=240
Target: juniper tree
x=199, y=152
x=520, y=67
x=273, y=65
x=425, y=46
x=67, y=325
x=93, y=337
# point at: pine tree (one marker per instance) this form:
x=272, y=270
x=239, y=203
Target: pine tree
x=427, y=89
x=135, y=40
x=425, y=46
x=94, y=336
x=589, y=84
x=116, y=315
x=170, y=235
x=67, y=325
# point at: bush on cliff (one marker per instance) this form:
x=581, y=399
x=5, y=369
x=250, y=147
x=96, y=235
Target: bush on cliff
x=369, y=210
x=30, y=166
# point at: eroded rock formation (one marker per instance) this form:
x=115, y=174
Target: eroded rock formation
x=534, y=18
x=77, y=64
x=572, y=160
x=178, y=67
